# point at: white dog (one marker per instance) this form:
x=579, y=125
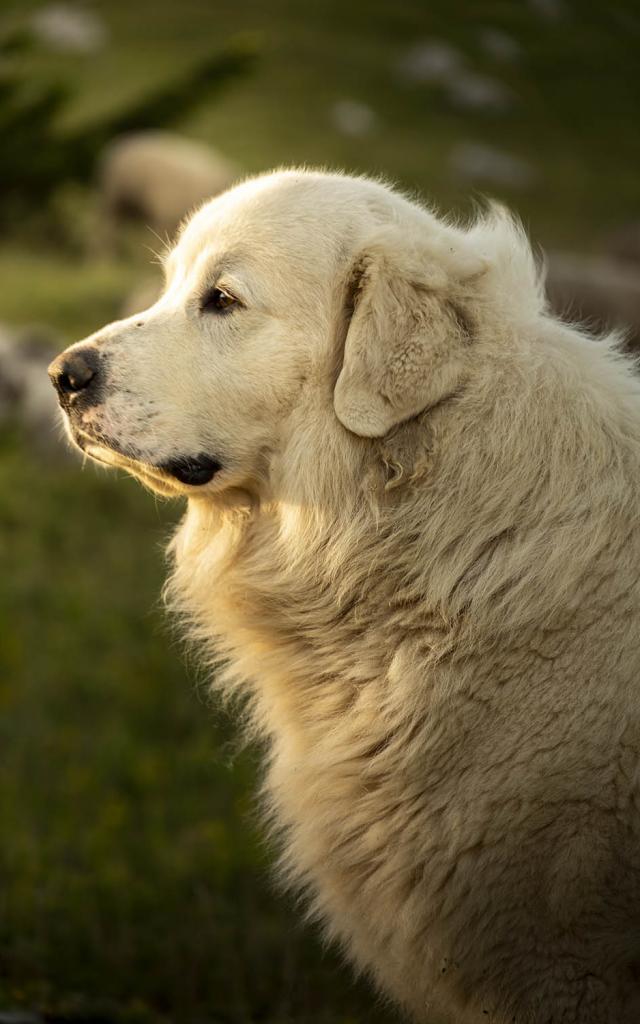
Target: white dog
x=412, y=535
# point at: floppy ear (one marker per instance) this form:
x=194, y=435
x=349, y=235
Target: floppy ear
x=405, y=344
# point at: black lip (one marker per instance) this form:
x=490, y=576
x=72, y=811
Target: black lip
x=192, y=470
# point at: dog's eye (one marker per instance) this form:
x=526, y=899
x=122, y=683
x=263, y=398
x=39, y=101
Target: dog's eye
x=217, y=301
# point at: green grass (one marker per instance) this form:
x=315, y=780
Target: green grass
x=49, y=287
x=576, y=85
x=133, y=881
x=132, y=877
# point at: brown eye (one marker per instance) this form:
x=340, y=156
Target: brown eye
x=217, y=301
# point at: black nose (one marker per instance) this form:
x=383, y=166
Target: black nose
x=73, y=372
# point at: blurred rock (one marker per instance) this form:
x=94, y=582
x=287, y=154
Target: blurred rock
x=159, y=177
x=11, y=375
x=597, y=291
x=470, y=91
x=353, y=118
x=430, y=61
x=624, y=243
x=20, y=1017
x=69, y=28
x=26, y=395
x=437, y=63
x=551, y=10
x=499, y=45
x=477, y=162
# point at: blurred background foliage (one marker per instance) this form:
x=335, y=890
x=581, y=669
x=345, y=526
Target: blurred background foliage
x=134, y=885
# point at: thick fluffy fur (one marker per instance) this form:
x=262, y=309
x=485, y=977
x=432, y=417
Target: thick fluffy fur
x=422, y=571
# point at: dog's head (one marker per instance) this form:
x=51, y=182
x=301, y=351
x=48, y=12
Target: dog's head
x=291, y=288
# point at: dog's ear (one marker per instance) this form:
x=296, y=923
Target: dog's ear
x=407, y=334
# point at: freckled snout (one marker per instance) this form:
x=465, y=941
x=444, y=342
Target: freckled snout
x=76, y=372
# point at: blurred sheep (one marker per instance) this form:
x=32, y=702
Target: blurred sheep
x=597, y=290
x=158, y=177
x=25, y=392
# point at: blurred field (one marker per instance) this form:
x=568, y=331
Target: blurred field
x=133, y=882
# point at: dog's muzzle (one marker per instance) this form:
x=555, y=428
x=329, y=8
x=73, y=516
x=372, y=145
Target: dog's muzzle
x=78, y=377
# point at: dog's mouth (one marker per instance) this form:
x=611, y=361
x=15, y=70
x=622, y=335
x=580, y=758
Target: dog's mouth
x=193, y=470
x=188, y=470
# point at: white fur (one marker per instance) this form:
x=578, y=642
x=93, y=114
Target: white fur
x=427, y=592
